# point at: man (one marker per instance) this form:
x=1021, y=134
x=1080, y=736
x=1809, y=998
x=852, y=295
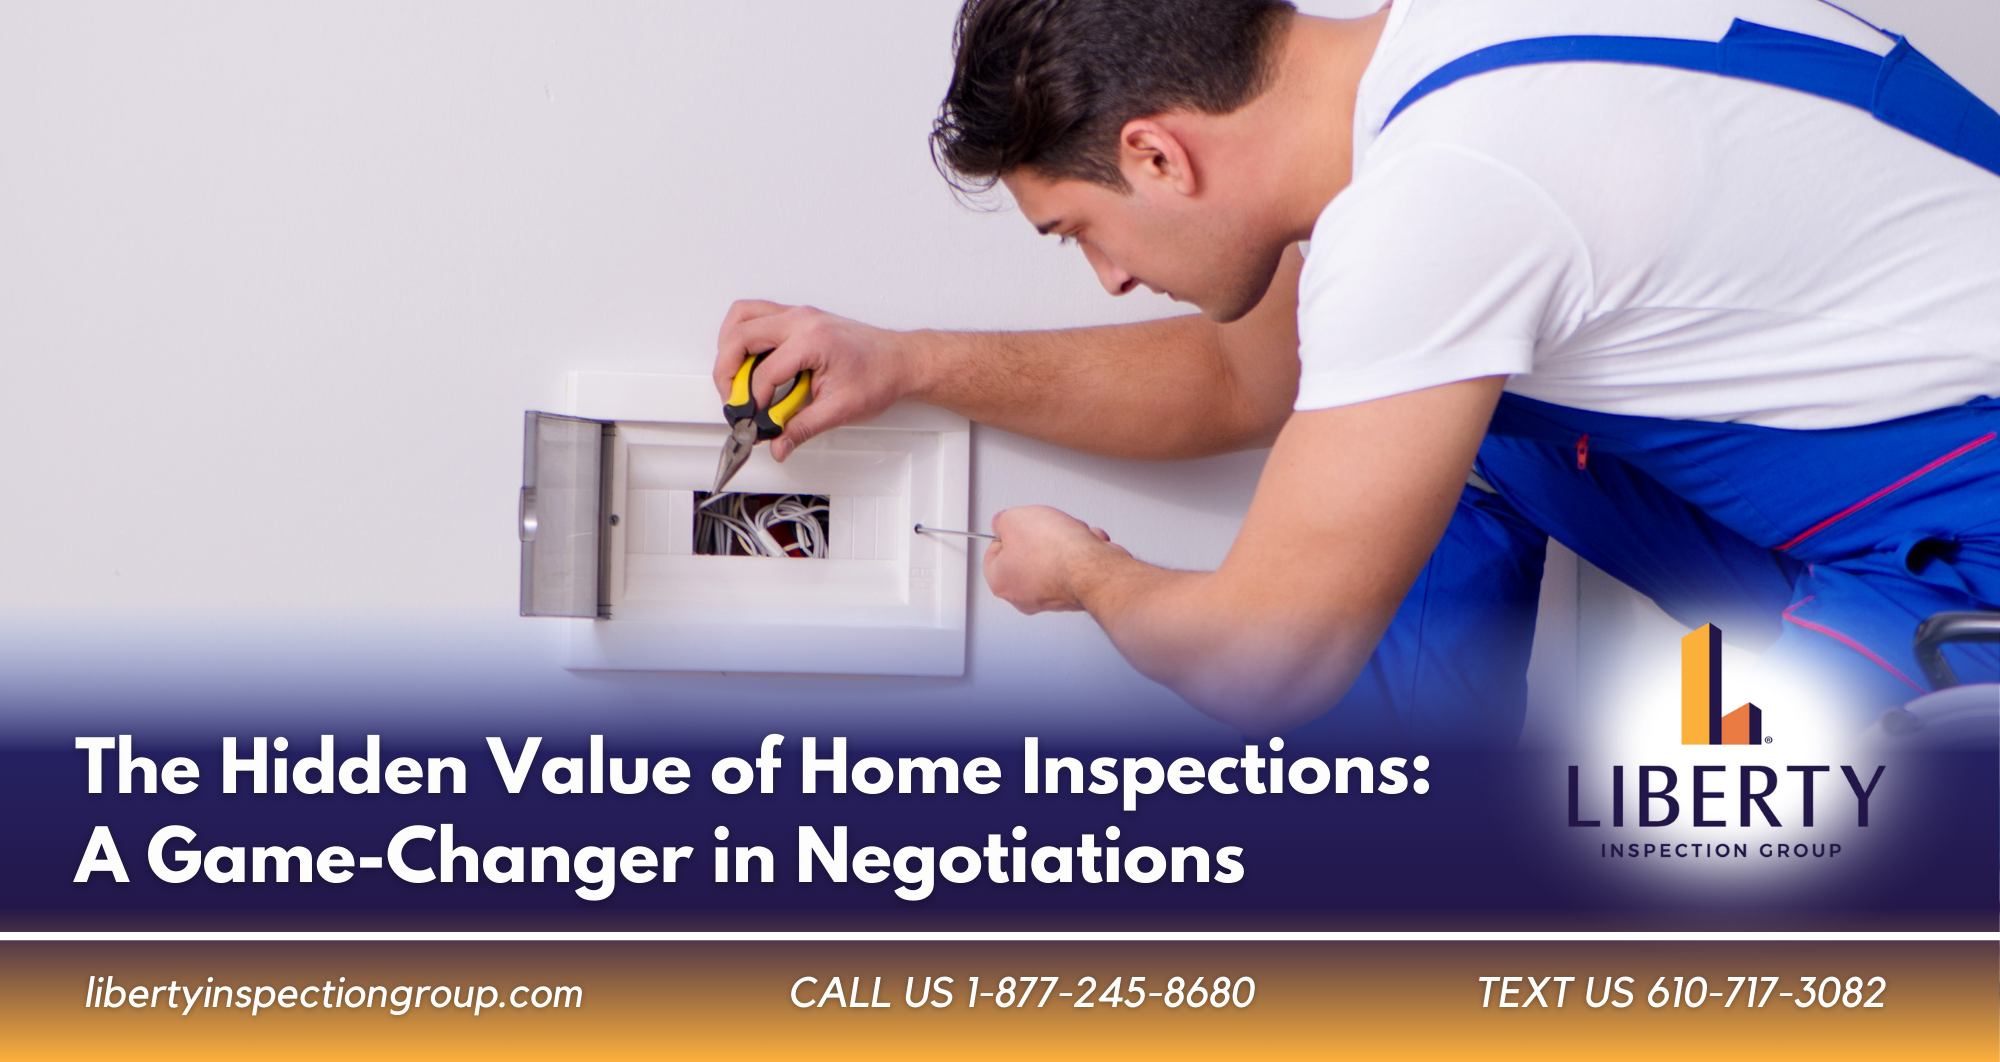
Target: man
x=1709, y=322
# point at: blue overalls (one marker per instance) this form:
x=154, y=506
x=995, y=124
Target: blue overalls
x=1837, y=542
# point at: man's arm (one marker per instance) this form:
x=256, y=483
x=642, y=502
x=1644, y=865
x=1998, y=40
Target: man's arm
x=1351, y=503
x=1179, y=388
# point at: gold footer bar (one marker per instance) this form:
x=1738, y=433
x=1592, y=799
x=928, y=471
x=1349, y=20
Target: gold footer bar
x=223, y=996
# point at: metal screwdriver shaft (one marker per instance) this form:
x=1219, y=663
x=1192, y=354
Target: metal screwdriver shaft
x=922, y=530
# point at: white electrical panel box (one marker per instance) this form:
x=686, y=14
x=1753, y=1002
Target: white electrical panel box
x=609, y=519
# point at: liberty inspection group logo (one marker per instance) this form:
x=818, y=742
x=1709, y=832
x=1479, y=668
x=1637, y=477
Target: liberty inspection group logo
x=1774, y=796
x=1702, y=721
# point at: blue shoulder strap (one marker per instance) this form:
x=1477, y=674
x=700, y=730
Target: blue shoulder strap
x=1903, y=89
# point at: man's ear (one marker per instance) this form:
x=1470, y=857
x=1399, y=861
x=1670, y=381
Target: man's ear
x=1150, y=155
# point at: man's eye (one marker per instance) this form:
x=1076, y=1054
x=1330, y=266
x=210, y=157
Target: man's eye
x=1066, y=241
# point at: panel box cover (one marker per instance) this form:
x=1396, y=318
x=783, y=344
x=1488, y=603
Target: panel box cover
x=608, y=512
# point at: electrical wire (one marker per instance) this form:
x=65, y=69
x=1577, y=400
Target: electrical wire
x=732, y=525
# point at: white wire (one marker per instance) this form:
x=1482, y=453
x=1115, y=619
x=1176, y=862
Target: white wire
x=726, y=524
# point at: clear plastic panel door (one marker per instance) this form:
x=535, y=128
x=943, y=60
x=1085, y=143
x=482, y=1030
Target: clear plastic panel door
x=562, y=512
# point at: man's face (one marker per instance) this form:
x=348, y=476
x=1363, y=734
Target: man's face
x=1190, y=249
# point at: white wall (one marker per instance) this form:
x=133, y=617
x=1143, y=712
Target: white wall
x=281, y=278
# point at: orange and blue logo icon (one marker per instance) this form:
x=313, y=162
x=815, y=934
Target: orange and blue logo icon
x=1702, y=721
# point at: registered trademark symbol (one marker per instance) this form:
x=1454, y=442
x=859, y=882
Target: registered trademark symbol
x=1768, y=740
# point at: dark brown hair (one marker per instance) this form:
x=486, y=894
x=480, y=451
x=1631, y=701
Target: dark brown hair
x=1050, y=83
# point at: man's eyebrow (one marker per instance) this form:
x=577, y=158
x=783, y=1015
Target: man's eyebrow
x=1048, y=227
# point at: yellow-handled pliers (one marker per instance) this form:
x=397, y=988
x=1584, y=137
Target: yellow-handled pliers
x=749, y=425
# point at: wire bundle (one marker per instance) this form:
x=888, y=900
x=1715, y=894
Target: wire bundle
x=742, y=525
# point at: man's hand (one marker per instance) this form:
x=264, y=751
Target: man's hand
x=1041, y=557
x=858, y=371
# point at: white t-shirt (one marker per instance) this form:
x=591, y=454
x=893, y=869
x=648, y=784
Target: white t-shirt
x=1643, y=240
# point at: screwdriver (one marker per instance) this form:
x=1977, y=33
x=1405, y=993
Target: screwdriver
x=922, y=530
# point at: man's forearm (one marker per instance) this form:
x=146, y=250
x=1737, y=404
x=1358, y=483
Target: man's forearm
x=1173, y=389
x=1231, y=658
x=1157, y=390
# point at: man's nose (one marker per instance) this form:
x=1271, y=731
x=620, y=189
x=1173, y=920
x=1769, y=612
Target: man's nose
x=1115, y=280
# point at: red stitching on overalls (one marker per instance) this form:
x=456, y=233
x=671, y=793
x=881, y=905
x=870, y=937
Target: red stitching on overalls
x=1872, y=498
x=1850, y=643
